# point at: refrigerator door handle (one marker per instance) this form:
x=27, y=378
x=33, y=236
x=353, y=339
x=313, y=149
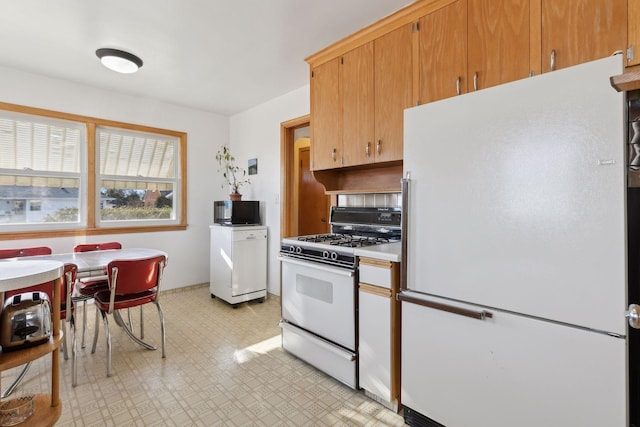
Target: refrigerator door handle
x=404, y=221
x=480, y=315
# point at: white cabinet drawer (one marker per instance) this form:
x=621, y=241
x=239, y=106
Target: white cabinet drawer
x=376, y=272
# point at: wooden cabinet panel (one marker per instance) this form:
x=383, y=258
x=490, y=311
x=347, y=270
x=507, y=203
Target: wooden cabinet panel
x=443, y=53
x=582, y=30
x=393, y=92
x=326, y=115
x=498, y=42
x=357, y=104
x=633, y=32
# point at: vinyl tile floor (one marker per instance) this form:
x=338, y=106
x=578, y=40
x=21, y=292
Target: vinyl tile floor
x=224, y=367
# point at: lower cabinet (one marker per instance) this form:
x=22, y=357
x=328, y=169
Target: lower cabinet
x=379, y=331
x=238, y=264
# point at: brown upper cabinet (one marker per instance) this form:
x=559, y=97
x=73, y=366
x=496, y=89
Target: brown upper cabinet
x=442, y=53
x=470, y=45
x=498, y=42
x=577, y=31
x=373, y=85
x=357, y=103
x=393, y=92
x=435, y=49
x=326, y=115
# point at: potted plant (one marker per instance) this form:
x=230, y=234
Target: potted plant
x=233, y=174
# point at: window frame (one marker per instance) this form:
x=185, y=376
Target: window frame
x=91, y=197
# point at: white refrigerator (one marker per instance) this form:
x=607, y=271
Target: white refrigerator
x=515, y=299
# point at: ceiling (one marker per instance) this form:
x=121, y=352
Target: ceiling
x=222, y=56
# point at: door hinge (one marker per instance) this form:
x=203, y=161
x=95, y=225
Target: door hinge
x=312, y=74
x=630, y=53
x=342, y=60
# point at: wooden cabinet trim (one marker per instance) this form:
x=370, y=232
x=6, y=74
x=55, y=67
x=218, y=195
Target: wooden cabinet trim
x=375, y=290
x=369, y=33
x=376, y=262
x=626, y=82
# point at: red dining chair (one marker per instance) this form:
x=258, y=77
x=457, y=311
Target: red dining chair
x=132, y=283
x=88, y=286
x=66, y=310
x=16, y=253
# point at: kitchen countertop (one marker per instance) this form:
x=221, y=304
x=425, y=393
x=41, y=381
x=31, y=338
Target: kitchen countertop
x=387, y=252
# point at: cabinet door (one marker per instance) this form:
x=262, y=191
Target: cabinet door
x=634, y=32
x=326, y=116
x=357, y=105
x=581, y=30
x=443, y=53
x=393, y=91
x=498, y=42
x=374, y=343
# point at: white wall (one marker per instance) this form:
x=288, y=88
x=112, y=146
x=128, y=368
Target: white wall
x=255, y=133
x=188, y=250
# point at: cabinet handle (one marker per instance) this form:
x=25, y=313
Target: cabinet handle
x=333, y=154
x=553, y=60
x=475, y=81
x=378, y=145
x=366, y=149
x=458, y=85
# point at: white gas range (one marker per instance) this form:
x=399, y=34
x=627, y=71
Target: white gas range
x=319, y=288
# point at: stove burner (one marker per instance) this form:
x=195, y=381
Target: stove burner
x=345, y=240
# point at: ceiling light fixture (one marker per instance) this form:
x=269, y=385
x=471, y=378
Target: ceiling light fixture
x=119, y=60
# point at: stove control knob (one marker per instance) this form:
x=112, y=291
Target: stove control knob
x=292, y=248
x=298, y=250
x=325, y=254
x=334, y=256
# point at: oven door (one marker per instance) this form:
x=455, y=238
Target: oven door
x=320, y=299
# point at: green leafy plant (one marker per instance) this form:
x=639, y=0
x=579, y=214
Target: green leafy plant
x=234, y=175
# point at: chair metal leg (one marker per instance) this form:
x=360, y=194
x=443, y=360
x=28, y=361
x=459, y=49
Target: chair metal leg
x=74, y=356
x=105, y=321
x=95, y=331
x=141, y=324
x=65, y=350
x=84, y=321
x=161, y=315
x=17, y=381
x=118, y=318
x=130, y=325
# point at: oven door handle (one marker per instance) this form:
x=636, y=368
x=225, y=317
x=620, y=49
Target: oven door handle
x=318, y=266
x=345, y=354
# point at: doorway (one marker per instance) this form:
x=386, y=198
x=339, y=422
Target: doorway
x=304, y=208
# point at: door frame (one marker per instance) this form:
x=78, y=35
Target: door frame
x=288, y=207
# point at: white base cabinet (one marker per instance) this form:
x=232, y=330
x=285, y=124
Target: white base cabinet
x=238, y=270
x=378, y=341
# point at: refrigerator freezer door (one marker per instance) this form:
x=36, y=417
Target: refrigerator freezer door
x=517, y=197
x=509, y=370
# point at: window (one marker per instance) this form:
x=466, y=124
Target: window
x=138, y=176
x=40, y=177
x=48, y=183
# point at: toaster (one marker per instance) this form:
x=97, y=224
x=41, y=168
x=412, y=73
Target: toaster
x=25, y=320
